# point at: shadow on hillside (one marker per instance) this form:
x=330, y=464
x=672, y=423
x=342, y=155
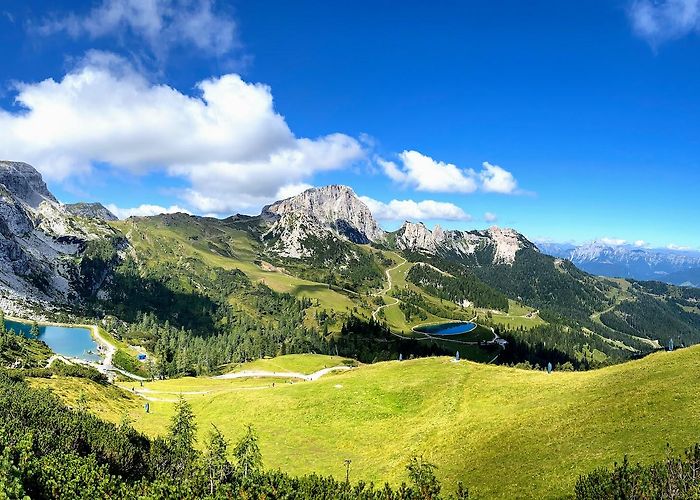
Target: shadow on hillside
x=133, y=295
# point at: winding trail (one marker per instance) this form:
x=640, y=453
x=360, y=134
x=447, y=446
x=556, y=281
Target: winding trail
x=153, y=395
x=386, y=290
x=268, y=374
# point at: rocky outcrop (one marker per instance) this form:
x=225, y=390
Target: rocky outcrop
x=299, y=226
x=41, y=241
x=415, y=236
x=91, y=211
x=501, y=245
x=332, y=208
x=24, y=183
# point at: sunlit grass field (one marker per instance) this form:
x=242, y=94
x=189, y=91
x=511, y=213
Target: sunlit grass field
x=504, y=432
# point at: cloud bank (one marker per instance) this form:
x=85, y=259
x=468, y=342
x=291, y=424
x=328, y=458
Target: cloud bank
x=160, y=25
x=400, y=210
x=144, y=210
x=423, y=173
x=227, y=140
x=658, y=22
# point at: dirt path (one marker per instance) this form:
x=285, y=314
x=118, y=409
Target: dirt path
x=386, y=290
x=268, y=374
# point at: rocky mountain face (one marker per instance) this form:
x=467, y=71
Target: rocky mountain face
x=303, y=224
x=299, y=224
x=495, y=245
x=91, y=211
x=628, y=261
x=41, y=241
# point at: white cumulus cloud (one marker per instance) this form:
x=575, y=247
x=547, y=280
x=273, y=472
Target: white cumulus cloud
x=144, y=210
x=161, y=24
x=490, y=217
x=615, y=242
x=423, y=173
x=227, y=140
x=415, y=210
x=495, y=179
x=661, y=21
x=678, y=248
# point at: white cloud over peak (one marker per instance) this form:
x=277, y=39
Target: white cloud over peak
x=423, y=173
x=399, y=210
x=495, y=179
x=160, y=24
x=227, y=141
x=144, y=210
x=615, y=242
x=661, y=21
x=292, y=190
x=490, y=217
x=678, y=248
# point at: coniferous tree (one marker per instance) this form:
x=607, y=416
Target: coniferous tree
x=218, y=467
x=247, y=453
x=182, y=436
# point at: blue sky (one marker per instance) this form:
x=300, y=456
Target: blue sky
x=567, y=122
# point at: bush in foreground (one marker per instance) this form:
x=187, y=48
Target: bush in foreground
x=675, y=477
x=48, y=450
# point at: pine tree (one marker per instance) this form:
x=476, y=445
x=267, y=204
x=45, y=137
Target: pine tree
x=182, y=436
x=34, y=331
x=247, y=453
x=422, y=474
x=217, y=466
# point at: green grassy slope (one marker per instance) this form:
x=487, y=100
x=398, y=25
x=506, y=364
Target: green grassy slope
x=299, y=363
x=504, y=432
x=221, y=246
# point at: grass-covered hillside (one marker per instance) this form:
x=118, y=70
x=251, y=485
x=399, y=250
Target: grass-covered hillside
x=504, y=432
x=217, y=278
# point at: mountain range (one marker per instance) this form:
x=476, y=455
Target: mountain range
x=324, y=251
x=679, y=267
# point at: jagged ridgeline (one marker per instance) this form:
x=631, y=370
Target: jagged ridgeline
x=315, y=272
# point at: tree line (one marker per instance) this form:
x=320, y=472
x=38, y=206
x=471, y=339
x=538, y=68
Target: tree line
x=48, y=450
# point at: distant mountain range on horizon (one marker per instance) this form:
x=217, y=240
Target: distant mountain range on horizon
x=677, y=267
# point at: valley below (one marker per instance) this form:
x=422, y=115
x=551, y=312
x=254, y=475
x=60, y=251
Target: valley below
x=472, y=356
x=503, y=432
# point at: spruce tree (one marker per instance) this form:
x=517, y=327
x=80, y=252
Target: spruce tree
x=247, y=453
x=34, y=331
x=182, y=436
x=217, y=465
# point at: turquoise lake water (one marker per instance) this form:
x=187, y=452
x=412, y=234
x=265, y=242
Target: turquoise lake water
x=454, y=328
x=74, y=342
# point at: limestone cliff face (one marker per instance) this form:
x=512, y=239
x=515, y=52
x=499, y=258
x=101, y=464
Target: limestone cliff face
x=91, y=211
x=298, y=226
x=501, y=244
x=41, y=241
x=319, y=213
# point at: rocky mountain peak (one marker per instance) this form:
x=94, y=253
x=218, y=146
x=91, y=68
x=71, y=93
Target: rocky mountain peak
x=25, y=183
x=504, y=243
x=91, y=211
x=336, y=208
x=416, y=236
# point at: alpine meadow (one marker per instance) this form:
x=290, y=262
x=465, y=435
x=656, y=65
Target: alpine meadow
x=274, y=250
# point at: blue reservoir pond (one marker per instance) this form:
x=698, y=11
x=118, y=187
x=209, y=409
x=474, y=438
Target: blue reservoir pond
x=446, y=329
x=74, y=342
